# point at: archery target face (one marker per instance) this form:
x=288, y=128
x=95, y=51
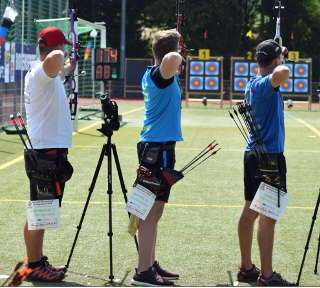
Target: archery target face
x=196, y=68
x=212, y=83
x=239, y=84
x=290, y=66
x=196, y=83
x=301, y=70
x=212, y=68
x=241, y=69
x=301, y=86
x=253, y=69
x=287, y=87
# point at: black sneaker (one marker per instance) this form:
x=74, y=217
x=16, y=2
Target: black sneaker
x=163, y=273
x=149, y=278
x=275, y=280
x=250, y=275
x=46, y=262
x=44, y=273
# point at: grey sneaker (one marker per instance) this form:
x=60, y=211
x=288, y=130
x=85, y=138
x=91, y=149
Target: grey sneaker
x=275, y=280
x=149, y=278
x=250, y=275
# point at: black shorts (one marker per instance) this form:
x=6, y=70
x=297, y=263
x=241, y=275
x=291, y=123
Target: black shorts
x=165, y=159
x=44, y=186
x=251, y=173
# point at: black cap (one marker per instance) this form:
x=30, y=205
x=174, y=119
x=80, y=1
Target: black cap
x=267, y=50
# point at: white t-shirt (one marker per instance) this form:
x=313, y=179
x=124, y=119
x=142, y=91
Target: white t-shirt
x=47, y=108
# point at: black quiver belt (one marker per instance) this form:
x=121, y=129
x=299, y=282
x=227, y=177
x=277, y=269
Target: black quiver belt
x=160, y=178
x=269, y=170
x=48, y=172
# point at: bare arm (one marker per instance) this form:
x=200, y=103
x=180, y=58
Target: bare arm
x=53, y=63
x=279, y=75
x=170, y=64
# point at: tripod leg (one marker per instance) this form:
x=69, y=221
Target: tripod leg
x=317, y=259
x=109, y=192
x=314, y=217
x=123, y=187
x=91, y=188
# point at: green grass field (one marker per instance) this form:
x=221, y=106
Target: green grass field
x=198, y=232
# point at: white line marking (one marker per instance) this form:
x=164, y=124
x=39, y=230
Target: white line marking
x=308, y=125
x=20, y=158
x=181, y=205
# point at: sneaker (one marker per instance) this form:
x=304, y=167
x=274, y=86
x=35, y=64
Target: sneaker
x=44, y=273
x=250, y=275
x=275, y=280
x=149, y=278
x=163, y=273
x=46, y=262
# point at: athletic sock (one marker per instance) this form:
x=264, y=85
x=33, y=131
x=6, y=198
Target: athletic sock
x=33, y=265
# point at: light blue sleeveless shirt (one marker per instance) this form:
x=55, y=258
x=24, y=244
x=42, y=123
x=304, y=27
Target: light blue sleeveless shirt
x=162, y=114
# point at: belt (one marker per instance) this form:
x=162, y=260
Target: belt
x=53, y=151
x=164, y=145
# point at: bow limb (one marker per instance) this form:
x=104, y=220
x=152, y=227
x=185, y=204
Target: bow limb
x=74, y=56
x=278, y=6
x=180, y=23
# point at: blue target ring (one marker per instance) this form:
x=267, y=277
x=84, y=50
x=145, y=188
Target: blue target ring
x=196, y=83
x=212, y=68
x=301, y=70
x=241, y=69
x=301, y=86
x=196, y=68
x=212, y=83
x=239, y=84
x=254, y=69
x=287, y=87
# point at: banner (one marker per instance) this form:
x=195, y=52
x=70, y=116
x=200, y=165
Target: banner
x=7, y=62
x=23, y=63
x=12, y=62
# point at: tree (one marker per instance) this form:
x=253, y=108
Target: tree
x=226, y=23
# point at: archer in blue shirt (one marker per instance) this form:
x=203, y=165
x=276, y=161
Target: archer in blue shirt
x=156, y=149
x=262, y=93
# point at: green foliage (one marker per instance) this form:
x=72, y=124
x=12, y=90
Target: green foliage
x=227, y=23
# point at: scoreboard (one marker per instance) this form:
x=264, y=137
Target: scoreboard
x=106, y=64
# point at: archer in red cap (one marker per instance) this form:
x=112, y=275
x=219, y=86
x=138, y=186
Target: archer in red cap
x=51, y=43
x=50, y=129
x=52, y=37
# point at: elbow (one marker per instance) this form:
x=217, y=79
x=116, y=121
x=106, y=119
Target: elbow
x=174, y=58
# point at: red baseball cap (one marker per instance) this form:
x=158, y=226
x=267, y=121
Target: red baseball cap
x=53, y=36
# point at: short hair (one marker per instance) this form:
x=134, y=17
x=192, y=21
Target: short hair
x=165, y=41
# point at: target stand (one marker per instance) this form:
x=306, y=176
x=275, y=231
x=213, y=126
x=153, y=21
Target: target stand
x=204, y=80
x=298, y=87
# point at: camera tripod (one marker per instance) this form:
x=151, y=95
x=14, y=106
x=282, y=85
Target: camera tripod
x=108, y=150
x=314, y=217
